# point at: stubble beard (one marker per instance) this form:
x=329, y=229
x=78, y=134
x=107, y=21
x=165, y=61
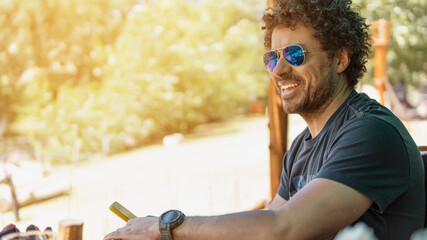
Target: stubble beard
x=315, y=99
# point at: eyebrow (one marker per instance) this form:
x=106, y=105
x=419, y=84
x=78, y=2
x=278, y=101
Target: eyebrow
x=303, y=45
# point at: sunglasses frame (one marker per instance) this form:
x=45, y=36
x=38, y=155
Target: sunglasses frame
x=280, y=54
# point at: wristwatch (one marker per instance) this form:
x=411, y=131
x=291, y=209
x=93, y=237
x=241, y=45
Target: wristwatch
x=168, y=221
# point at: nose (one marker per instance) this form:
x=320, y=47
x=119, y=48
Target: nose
x=282, y=67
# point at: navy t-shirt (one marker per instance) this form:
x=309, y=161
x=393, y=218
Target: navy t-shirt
x=364, y=146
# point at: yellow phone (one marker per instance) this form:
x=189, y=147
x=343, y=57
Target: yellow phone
x=121, y=211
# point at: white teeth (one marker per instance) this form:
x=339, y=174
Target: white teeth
x=287, y=86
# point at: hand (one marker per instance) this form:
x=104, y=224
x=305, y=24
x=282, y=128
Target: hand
x=146, y=228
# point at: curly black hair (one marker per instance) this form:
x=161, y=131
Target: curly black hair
x=336, y=24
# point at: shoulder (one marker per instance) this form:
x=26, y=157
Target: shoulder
x=367, y=118
x=357, y=109
x=363, y=103
x=369, y=127
x=370, y=137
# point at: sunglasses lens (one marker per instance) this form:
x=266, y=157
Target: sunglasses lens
x=294, y=55
x=270, y=60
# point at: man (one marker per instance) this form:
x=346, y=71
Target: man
x=354, y=163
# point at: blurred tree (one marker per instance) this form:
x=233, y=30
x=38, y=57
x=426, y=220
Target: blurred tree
x=54, y=39
x=200, y=63
x=86, y=72
x=406, y=55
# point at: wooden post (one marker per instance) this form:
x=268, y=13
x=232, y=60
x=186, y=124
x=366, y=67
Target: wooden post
x=270, y=3
x=8, y=178
x=278, y=124
x=15, y=204
x=70, y=229
x=382, y=38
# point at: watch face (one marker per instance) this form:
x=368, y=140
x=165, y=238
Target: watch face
x=170, y=216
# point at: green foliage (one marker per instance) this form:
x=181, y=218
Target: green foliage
x=190, y=73
x=406, y=56
x=77, y=74
x=171, y=73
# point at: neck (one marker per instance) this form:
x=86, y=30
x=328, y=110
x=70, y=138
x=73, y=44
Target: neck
x=316, y=121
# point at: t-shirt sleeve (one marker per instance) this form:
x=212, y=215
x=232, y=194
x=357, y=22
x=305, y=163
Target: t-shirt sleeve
x=369, y=156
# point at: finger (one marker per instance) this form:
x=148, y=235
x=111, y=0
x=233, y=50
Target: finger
x=112, y=236
x=116, y=234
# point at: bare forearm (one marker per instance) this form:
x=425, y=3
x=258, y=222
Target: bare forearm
x=260, y=224
x=319, y=210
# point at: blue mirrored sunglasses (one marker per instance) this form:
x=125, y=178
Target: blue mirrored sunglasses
x=294, y=54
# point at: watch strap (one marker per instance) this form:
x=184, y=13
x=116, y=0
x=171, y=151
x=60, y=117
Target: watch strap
x=165, y=231
x=166, y=226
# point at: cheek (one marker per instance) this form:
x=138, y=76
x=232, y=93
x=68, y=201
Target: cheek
x=313, y=77
x=307, y=78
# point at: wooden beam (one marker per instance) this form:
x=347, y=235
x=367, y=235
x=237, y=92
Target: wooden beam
x=70, y=229
x=382, y=38
x=278, y=125
x=14, y=199
x=270, y=3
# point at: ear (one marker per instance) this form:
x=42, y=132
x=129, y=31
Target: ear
x=342, y=59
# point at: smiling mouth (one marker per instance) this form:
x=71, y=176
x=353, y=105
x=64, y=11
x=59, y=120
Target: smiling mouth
x=288, y=86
